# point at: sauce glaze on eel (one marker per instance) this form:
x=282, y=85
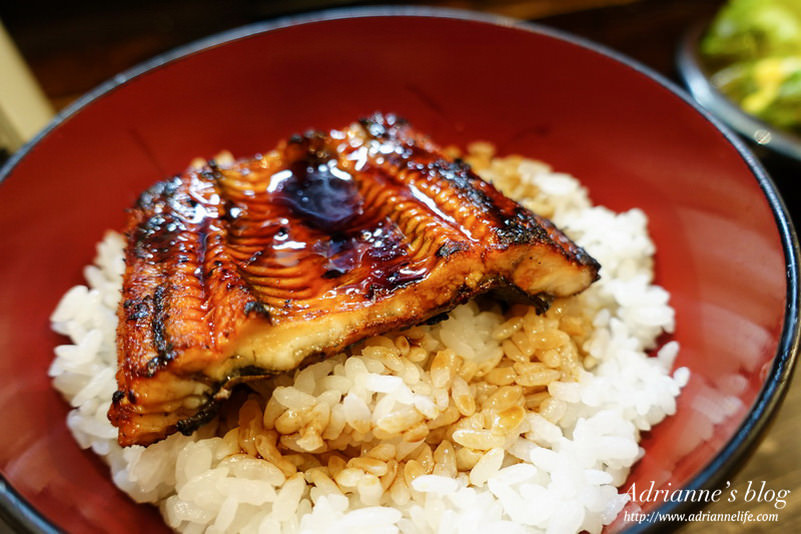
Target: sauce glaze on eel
x=239, y=271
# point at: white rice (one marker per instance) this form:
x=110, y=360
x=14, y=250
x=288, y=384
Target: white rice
x=555, y=470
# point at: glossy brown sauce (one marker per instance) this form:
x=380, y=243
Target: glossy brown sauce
x=318, y=193
x=309, y=227
x=331, y=221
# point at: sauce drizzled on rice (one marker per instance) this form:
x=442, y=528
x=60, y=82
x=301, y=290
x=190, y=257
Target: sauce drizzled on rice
x=496, y=417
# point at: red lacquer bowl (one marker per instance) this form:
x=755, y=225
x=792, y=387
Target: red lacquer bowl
x=726, y=248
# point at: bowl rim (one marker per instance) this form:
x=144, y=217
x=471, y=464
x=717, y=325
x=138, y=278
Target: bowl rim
x=696, y=76
x=22, y=515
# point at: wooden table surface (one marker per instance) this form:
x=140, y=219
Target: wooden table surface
x=71, y=47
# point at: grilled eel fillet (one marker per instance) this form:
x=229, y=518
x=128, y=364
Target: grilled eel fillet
x=252, y=268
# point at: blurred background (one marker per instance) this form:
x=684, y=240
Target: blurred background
x=53, y=52
x=73, y=46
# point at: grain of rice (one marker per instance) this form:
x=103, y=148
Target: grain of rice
x=538, y=378
x=389, y=477
x=463, y=399
x=478, y=439
x=400, y=420
x=504, y=398
x=370, y=490
x=505, y=422
x=435, y=484
x=508, y=328
x=501, y=376
x=288, y=499
x=288, y=422
x=416, y=432
x=445, y=460
x=411, y=470
x=357, y=413
x=488, y=465
x=349, y=477
x=293, y=398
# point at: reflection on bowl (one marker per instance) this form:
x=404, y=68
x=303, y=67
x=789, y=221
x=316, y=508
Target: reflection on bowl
x=705, y=93
x=725, y=247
